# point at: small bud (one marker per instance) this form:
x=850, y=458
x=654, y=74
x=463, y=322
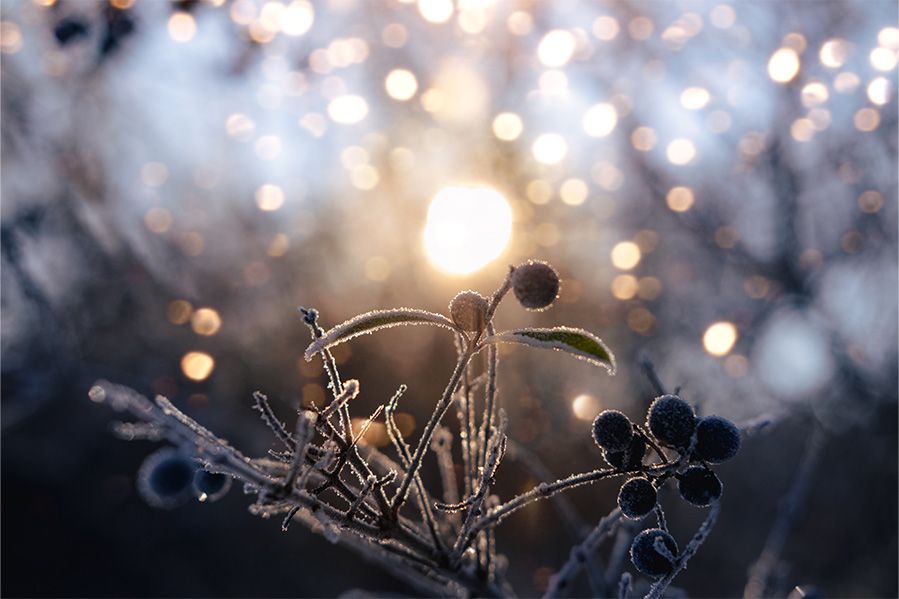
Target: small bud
x=630, y=458
x=612, y=430
x=717, y=439
x=535, y=284
x=469, y=311
x=211, y=486
x=165, y=477
x=671, y=420
x=637, y=498
x=699, y=486
x=647, y=559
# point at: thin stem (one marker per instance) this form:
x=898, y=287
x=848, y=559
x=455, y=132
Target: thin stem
x=760, y=573
x=650, y=371
x=562, y=580
x=656, y=590
x=544, y=490
x=425, y=439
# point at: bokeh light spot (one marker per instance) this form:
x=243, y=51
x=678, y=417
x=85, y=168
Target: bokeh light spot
x=720, y=338
x=467, y=228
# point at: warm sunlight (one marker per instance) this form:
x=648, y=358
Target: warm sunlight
x=467, y=228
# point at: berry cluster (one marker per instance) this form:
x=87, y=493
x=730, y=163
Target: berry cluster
x=698, y=443
x=168, y=477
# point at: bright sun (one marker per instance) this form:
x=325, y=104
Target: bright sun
x=467, y=228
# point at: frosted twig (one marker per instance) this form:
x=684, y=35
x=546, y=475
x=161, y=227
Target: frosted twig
x=494, y=457
x=544, y=490
x=262, y=405
x=132, y=431
x=760, y=572
x=561, y=581
x=305, y=428
x=423, y=442
x=624, y=586
x=441, y=445
x=402, y=450
x=680, y=564
x=532, y=464
x=393, y=431
x=350, y=391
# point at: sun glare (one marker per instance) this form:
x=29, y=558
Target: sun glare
x=467, y=228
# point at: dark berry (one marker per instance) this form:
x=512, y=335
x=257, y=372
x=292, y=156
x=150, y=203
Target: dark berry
x=649, y=560
x=69, y=30
x=630, y=458
x=165, y=478
x=637, y=498
x=612, y=430
x=699, y=486
x=671, y=420
x=209, y=486
x=469, y=311
x=717, y=439
x=535, y=284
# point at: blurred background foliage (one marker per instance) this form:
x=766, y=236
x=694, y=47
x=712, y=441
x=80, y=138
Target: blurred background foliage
x=716, y=182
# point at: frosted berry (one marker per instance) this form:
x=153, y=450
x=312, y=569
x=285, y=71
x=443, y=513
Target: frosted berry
x=637, y=498
x=671, y=420
x=165, y=478
x=649, y=560
x=612, y=430
x=535, y=284
x=469, y=311
x=209, y=486
x=630, y=458
x=717, y=439
x=699, y=486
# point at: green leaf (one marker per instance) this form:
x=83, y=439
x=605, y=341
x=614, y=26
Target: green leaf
x=579, y=343
x=375, y=321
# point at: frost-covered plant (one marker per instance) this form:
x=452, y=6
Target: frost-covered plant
x=378, y=505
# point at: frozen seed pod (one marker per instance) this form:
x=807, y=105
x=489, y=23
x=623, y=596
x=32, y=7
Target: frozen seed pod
x=717, y=439
x=671, y=420
x=699, y=486
x=165, y=478
x=535, y=284
x=211, y=486
x=469, y=311
x=630, y=458
x=612, y=430
x=637, y=498
x=647, y=558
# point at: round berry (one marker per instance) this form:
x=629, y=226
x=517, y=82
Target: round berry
x=629, y=459
x=636, y=498
x=164, y=479
x=717, y=439
x=699, y=486
x=671, y=420
x=647, y=558
x=536, y=285
x=469, y=311
x=612, y=430
x=211, y=486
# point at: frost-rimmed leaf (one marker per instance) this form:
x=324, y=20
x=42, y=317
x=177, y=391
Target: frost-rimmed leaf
x=375, y=321
x=576, y=342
